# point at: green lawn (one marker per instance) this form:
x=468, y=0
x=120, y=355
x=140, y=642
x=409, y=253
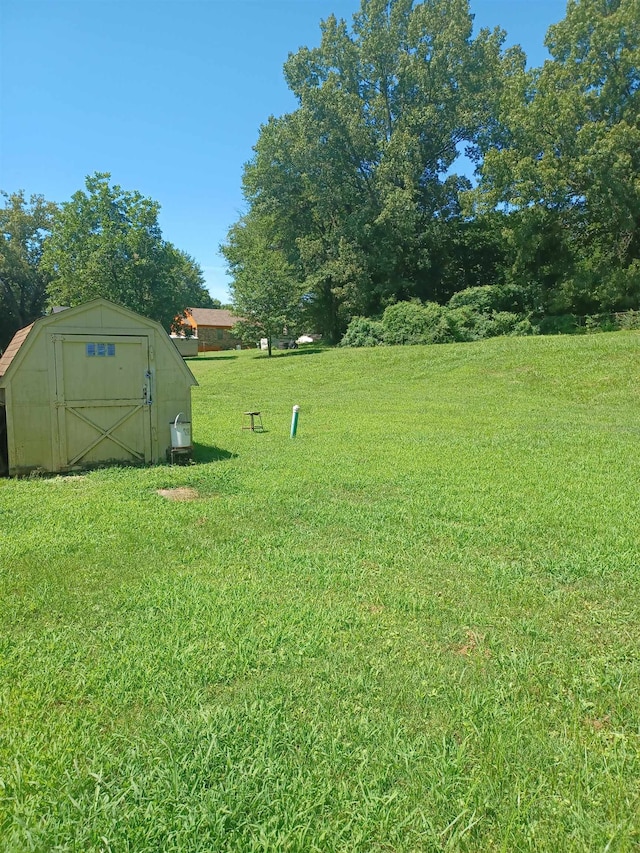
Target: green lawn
x=414, y=627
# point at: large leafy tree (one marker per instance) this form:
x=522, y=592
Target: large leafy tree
x=566, y=158
x=359, y=178
x=265, y=290
x=107, y=242
x=24, y=225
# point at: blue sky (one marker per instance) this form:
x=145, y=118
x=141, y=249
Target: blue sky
x=168, y=96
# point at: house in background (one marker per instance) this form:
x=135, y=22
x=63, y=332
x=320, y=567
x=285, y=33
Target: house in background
x=212, y=327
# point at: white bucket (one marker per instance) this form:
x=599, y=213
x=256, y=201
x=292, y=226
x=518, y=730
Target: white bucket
x=180, y=432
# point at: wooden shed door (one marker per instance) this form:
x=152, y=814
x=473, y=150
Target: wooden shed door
x=103, y=397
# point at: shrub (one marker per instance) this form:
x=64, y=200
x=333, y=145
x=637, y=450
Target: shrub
x=414, y=323
x=466, y=324
x=562, y=324
x=429, y=323
x=628, y=320
x=507, y=323
x=479, y=299
x=489, y=311
x=525, y=327
x=601, y=323
x=491, y=298
x=362, y=332
x=461, y=324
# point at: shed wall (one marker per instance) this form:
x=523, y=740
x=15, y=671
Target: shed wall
x=33, y=437
x=30, y=410
x=171, y=396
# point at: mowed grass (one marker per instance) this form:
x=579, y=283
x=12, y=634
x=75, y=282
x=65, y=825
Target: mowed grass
x=414, y=627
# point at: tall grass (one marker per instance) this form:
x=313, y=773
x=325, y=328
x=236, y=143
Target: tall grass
x=414, y=627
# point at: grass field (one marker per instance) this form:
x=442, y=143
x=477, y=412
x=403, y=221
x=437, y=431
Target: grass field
x=414, y=627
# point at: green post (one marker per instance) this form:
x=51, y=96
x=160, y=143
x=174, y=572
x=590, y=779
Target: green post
x=294, y=421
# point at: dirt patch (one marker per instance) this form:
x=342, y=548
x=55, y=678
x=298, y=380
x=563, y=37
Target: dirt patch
x=373, y=608
x=598, y=723
x=473, y=646
x=183, y=493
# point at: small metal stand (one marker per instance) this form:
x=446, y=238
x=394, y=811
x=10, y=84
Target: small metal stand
x=180, y=453
x=255, y=424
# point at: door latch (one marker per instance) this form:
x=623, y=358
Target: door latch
x=146, y=391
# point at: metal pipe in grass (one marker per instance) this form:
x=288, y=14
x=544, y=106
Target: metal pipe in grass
x=294, y=421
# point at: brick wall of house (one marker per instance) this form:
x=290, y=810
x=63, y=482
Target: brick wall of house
x=210, y=339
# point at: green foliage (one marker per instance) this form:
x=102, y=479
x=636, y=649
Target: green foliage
x=481, y=300
x=466, y=324
x=507, y=323
x=264, y=288
x=561, y=324
x=489, y=298
x=107, y=242
x=24, y=226
x=412, y=323
x=358, y=184
x=629, y=320
x=412, y=628
x=363, y=332
x=567, y=161
x=358, y=180
x=470, y=316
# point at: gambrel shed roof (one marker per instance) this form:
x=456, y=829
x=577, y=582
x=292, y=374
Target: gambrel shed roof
x=21, y=336
x=14, y=346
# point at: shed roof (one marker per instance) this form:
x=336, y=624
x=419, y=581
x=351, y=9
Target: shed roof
x=12, y=350
x=17, y=344
x=213, y=317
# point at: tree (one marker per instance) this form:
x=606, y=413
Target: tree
x=107, y=242
x=23, y=281
x=358, y=180
x=264, y=289
x=566, y=158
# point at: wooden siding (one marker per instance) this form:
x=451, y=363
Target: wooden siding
x=37, y=389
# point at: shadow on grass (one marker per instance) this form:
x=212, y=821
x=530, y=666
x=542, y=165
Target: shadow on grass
x=290, y=353
x=209, y=453
x=216, y=357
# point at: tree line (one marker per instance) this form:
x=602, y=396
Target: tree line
x=356, y=200
x=104, y=241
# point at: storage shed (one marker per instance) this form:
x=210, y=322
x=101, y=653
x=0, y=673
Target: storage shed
x=88, y=385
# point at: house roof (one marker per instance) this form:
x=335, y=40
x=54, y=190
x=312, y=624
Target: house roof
x=12, y=350
x=212, y=317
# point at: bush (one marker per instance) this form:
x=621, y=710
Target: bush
x=491, y=298
x=563, y=324
x=507, y=323
x=461, y=324
x=480, y=300
x=414, y=323
x=362, y=332
x=486, y=312
x=525, y=327
x=601, y=323
x=628, y=320
x=429, y=323
x=466, y=324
